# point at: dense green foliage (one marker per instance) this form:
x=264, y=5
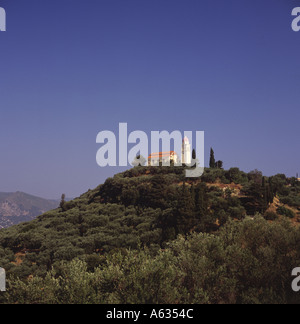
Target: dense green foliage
x=246, y=262
x=119, y=242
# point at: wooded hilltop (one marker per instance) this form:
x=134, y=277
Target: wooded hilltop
x=150, y=235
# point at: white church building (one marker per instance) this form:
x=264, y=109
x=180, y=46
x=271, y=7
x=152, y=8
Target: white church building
x=156, y=159
x=186, y=151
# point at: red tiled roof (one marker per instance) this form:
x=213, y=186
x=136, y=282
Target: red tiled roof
x=162, y=154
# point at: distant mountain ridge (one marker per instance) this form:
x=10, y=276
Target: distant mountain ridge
x=18, y=207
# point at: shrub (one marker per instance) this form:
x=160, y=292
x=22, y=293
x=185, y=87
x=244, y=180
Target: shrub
x=285, y=212
x=271, y=216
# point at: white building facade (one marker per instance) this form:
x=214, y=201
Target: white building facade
x=186, y=151
x=166, y=158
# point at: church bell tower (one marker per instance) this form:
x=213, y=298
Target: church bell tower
x=186, y=151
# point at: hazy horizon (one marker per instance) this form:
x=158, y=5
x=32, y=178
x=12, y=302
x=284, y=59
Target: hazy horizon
x=69, y=71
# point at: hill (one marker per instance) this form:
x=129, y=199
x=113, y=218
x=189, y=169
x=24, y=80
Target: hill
x=237, y=229
x=20, y=207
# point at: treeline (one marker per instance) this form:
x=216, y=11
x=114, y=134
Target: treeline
x=247, y=262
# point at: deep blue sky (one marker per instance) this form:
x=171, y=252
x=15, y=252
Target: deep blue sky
x=70, y=69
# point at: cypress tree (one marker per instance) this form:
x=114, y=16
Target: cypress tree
x=212, y=161
x=194, y=154
x=62, y=202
